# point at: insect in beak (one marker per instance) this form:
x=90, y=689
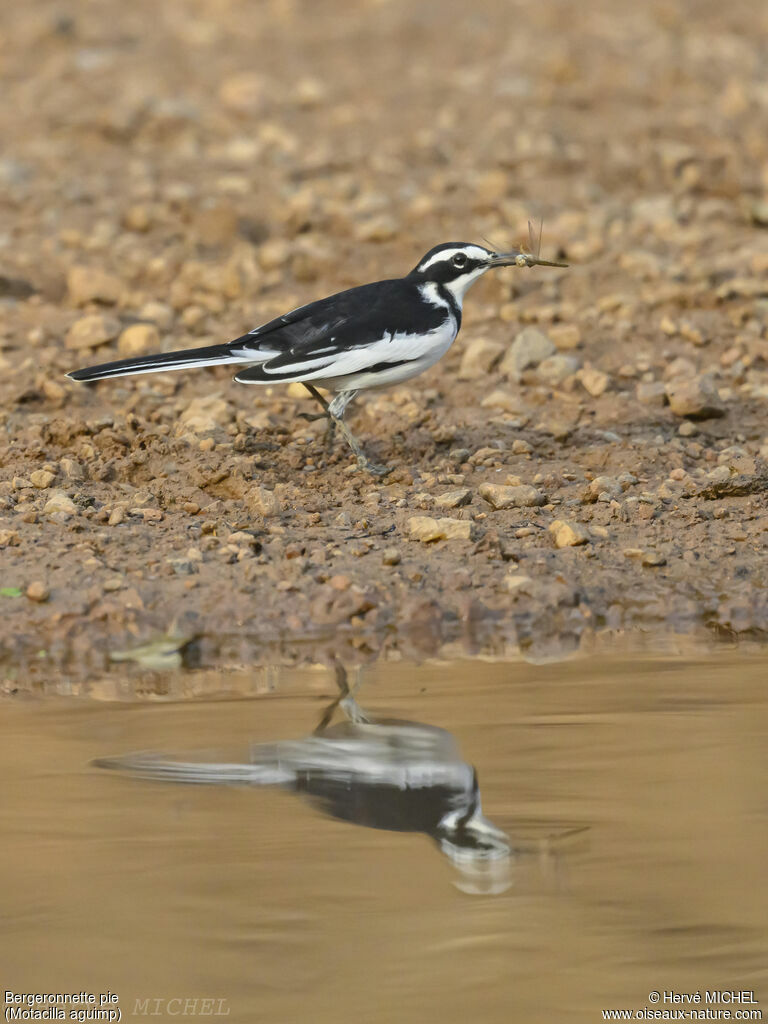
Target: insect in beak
x=520, y=258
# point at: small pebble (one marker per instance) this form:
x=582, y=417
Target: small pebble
x=42, y=478
x=92, y=331
x=90, y=284
x=530, y=347
x=516, y=580
x=593, y=381
x=427, y=529
x=500, y=496
x=37, y=591
x=653, y=558
x=454, y=499
x=138, y=339
x=568, y=535
x=695, y=398
x=479, y=358
x=61, y=503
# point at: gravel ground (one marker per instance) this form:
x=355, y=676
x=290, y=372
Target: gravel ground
x=593, y=452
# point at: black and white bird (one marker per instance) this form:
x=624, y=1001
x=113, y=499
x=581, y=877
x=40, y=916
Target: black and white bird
x=371, y=336
x=387, y=774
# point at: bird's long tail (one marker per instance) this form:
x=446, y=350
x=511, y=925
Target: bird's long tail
x=211, y=355
x=153, y=766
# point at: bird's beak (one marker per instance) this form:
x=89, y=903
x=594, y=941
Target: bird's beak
x=517, y=258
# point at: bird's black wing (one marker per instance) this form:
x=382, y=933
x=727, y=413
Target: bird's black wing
x=307, y=325
x=386, y=322
x=303, y=326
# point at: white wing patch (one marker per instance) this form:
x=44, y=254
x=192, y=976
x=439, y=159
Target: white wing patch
x=398, y=347
x=244, y=354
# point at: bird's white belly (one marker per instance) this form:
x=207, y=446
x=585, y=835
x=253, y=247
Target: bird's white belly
x=417, y=352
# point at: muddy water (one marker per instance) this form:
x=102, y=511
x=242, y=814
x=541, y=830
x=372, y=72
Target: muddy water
x=633, y=791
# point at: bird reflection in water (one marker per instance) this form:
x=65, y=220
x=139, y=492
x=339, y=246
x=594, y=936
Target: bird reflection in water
x=380, y=773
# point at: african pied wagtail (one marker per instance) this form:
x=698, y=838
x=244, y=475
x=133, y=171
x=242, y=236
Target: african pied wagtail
x=366, y=337
x=379, y=773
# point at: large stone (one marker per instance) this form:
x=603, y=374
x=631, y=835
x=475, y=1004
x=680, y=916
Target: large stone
x=480, y=357
x=92, y=331
x=456, y=529
x=264, y=502
x=42, y=478
x=696, y=398
x=506, y=400
x=427, y=529
x=138, y=339
x=38, y=591
x=565, y=336
x=501, y=496
x=568, y=535
x=680, y=367
x=652, y=392
x=517, y=581
x=530, y=347
x=159, y=313
x=604, y=488
x=454, y=499
x=593, y=381
x=205, y=414
x=60, y=502
x=555, y=369
x=71, y=469
x=91, y=284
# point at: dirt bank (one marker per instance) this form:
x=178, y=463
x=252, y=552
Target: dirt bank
x=595, y=442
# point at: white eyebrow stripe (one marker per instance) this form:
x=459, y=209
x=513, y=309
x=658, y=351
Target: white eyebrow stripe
x=471, y=251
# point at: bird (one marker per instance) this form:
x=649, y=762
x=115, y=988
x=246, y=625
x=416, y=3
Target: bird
x=370, y=336
x=388, y=774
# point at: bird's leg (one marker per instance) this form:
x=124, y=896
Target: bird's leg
x=318, y=398
x=349, y=705
x=336, y=411
x=345, y=700
x=331, y=430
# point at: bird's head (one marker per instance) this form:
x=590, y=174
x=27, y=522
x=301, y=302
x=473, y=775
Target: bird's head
x=457, y=265
x=481, y=852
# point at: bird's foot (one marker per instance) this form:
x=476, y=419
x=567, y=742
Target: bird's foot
x=372, y=467
x=353, y=711
x=362, y=459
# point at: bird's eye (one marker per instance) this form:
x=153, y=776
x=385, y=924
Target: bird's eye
x=460, y=259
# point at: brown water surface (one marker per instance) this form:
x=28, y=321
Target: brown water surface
x=634, y=791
